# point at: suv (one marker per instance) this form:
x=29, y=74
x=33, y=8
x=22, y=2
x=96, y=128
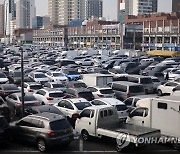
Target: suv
x=45, y=130
x=124, y=89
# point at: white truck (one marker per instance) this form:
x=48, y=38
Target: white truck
x=159, y=113
x=99, y=121
x=97, y=79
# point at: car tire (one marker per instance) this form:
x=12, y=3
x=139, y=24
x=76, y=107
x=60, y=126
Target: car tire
x=118, y=148
x=41, y=145
x=43, y=103
x=85, y=135
x=159, y=92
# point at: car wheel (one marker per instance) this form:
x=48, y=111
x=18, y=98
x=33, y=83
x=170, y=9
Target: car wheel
x=118, y=148
x=85, y=135
x=43, y=103
x=159, y=92
x=41, y=145
x=92, y=64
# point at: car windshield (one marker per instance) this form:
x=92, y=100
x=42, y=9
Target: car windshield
x=28, y=98
x=73, y=73
x=59, y=125
x=136, y=89
x=121, y=107
x=145, y=80
x=2, y=75
x=82, y=105
x=35, y=87
x=86, y=95
x=58, y=86
x=56, y=95
x=40, y=76
x=57, y=74
x=17, y=74
x=106, y=91
x=80, y=85
x=10, y=87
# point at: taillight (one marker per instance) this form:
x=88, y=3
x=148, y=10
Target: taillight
x=49, y=98
x=19, y=105
x=75, y=115
x=30, y=90
x=51, y=133
x=128, y=94
x=100, y=95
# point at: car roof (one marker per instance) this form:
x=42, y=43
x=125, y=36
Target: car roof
x=77, y=100
x=80, y=89
x=100, y=87
x=47, y=116
x=111, y=101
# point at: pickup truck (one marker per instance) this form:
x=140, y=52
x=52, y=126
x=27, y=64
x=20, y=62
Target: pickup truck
x=99, y=121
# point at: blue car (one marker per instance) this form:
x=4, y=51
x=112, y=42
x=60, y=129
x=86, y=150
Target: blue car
x=72, y=75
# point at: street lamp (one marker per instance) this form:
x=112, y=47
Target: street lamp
x=22, y=80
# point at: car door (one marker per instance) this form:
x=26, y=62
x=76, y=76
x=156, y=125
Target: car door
x=85, y=120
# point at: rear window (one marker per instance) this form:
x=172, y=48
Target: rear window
x=56, y=95
x=10, y=87
x=82, y=105
x=35, y=87
x=28, y=98
x=59, y=125
x=80, y=85
x=145, y=80
x=121, y=107
x=136, y=89
x=155, y=80
x=58, y=86
x=86, y=95
x=106, y=91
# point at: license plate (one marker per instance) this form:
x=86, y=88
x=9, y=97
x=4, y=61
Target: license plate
x=65, y=139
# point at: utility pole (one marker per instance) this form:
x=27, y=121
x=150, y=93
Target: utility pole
x=22, y=80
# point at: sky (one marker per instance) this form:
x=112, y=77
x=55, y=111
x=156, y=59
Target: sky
x=109, y=11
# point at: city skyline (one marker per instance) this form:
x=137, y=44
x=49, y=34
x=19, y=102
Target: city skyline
x=111, y=15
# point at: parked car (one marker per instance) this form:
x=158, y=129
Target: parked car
x=4, y=129
x=14, y=101
x=4, y=110
x=38, y=77
x=49, y=96
x=85, y=62
x=72, y=107
x=56, y=77
x=72, y=75
x=32, y=87
x=99, y=92
x=76, y=84
x=79, y=93
x=7, y=89
x=156, y=83
x=55, y=86
x=44, y=130
x=122, y=109
x=167, y=88
x=124, y=89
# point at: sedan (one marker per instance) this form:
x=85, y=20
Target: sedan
x=14, y=101
x=38, y=77
x=56, y=77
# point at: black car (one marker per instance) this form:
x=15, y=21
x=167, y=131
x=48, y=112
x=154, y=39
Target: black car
x=7, y=89
x=76, y=84
x=4, y=129
x=79, y=93
x=44, y=130
x=4, y=110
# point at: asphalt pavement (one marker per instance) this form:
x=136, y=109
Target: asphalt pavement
x=78, y=146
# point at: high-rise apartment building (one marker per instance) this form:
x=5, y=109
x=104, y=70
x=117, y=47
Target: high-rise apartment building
x=25, y=12
x=93, y=8
x=61, y=12
x=121, y=10
x=139, y=7
x=1, y=20
x=9, y=14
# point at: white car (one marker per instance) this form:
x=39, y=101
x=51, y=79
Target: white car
x=166, y=88
x=3, y=78
x=38, y=77
x=174, y=75
x=120, y=106
x=56, y=77
x=49, y=96
x=100, y=92
x=72, y=107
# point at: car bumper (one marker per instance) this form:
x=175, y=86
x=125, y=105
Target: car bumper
x=60, y=140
